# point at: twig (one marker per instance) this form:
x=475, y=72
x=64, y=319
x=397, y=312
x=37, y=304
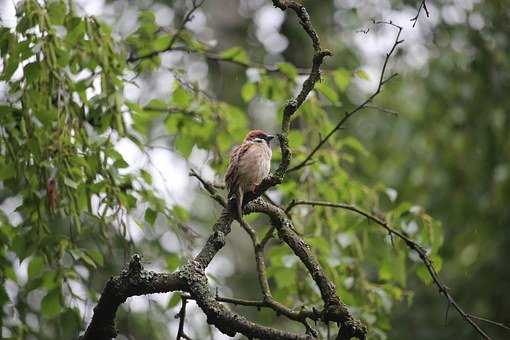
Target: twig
x=181, y=316
x=209, y=188
x=363, y=105
x=382, y=109
x=423, y=5
x=420, y=250
x=495, y=323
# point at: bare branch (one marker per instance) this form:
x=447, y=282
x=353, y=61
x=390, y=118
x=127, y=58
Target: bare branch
x=423, y=5
x=182, y=316
x=420, y=250
x=363, y=105
x=494, y=323
x=209, y=188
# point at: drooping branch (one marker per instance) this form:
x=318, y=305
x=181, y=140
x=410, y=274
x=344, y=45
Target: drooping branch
x=420, y=250
x=382, y=81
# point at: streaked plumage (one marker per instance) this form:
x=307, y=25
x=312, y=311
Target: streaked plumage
x=250, y=163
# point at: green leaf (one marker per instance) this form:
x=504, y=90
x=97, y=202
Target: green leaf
x=437, y=261
x=342, y=78
x=248, y=91
x=7, y=170
x=161, y=43
x=70, y=183
x=423, y=274
x=32, y=71
x=47, y=116
x=296, y=139
x=356, y=145
x=284, y=277
x=50, y=305
x=172, y=262
x=362, y=74
x=288, y=69
x=10, y=67
x=35, y=268
x=181, y=98
x=184, y=145
x=174, y=300
x=77, y=31
x=150, y=216
x=57, y=11
x=88, y=260
x=180, y=213
x=96, y=256
x=235, y=53
x=328, y=92
x=146, y=176
x=172, y=123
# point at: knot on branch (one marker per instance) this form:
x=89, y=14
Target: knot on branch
x=352, y=328
x=319, y=56
x=135, y=265
x=219, y=239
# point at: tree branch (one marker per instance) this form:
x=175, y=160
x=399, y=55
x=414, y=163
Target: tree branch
x=191, y=277
x=293, y=105
x=420, y=250
x=363, y=105
x=132, y=281
x=182, y=316
x=423, y=5
x=334, y=309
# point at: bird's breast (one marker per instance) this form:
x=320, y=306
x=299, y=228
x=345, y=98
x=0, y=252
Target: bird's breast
x=254, y=166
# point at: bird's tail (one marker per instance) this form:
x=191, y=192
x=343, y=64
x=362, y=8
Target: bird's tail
x=235, y=200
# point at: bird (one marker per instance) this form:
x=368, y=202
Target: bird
x=249, y=164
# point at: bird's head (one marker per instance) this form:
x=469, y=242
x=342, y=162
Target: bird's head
x=258, y=136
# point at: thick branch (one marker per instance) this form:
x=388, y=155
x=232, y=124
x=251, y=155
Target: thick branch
x=191, y=278
x=217, y=314
x=131, y=282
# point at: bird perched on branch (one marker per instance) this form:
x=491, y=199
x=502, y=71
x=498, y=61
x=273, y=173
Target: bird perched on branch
x=250, y=163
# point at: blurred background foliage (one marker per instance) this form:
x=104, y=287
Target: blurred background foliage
x=105, y=106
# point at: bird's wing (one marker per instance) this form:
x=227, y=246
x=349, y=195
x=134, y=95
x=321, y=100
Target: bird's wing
x=232, y=175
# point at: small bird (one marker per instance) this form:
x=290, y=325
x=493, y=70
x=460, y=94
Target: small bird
x=250, y=163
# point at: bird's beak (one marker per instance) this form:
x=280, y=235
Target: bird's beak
x=269, y=137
